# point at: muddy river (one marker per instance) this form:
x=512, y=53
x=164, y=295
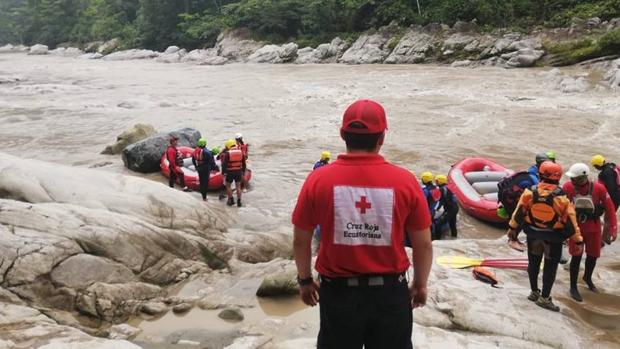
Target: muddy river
x=67, y=110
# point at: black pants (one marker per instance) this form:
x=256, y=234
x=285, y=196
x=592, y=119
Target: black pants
x=373, y=317
x=203, y=177
x=173, y=178
x=552, y=251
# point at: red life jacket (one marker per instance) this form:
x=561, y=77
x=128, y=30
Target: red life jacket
x=235, y=160
x=178, y=158
x=199, y=156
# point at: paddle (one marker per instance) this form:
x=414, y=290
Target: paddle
x=459, y=262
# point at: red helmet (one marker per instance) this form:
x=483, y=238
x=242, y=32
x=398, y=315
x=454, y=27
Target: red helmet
x=550, y=170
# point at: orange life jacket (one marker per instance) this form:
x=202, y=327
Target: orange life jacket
x=235, y=160
x=542, y=214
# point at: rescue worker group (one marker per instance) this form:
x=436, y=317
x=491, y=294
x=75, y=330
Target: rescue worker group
x=233, y=160
x=533, y=201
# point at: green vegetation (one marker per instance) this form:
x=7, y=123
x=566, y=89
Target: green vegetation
x=572, y=52
x=156, y=24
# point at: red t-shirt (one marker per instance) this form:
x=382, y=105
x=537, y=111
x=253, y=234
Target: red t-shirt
x=364, y=205
x=599, y=197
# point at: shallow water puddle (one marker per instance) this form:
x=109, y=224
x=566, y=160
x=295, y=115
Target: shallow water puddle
x=204, y=326
x=600, y=310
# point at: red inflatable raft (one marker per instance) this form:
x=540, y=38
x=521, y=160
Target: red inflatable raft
x=474, y=182
x=216, y=181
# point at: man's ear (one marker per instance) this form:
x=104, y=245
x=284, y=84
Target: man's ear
x=381, y=139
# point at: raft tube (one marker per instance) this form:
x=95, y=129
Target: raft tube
x=474, y=182
x=216, y=180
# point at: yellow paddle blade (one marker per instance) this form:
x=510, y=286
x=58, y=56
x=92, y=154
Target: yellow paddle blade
x=458, y=262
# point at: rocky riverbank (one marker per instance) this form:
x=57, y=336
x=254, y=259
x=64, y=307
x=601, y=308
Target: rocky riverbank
x=462, y=45
x=98, y=249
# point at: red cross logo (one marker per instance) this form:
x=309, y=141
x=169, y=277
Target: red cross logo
x=363, y=205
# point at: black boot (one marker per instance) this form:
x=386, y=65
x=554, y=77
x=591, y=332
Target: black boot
x=231, y=201
x=574, y=293
x=238, y=202
x=587, y=275
x=575, y=263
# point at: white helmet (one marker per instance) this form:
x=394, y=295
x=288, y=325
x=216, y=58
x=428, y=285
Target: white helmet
x=238, y=136
x=578, y=169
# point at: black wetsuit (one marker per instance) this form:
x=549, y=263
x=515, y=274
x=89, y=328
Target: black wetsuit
x=451, y=209
x=608, y=177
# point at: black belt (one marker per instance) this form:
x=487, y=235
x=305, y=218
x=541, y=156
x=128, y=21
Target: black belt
x=382, y=280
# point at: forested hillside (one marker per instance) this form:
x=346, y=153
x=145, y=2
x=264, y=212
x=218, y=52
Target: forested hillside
x=155, y=24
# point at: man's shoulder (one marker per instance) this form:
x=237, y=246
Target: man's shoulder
x=599, y=187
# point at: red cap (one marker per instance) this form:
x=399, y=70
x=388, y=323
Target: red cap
x=369, y=113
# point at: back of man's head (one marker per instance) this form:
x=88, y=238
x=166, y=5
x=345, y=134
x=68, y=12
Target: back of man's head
x=363, y=126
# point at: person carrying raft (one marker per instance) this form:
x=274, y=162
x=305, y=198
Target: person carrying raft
x=548, y=218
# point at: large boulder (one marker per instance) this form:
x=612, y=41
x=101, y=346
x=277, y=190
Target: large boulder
x=479, y=44
x=501, y=45
x=281, y=283
x=38, y=49
x=370, y=47
x=7, y=48
x=324, y=53
x=236, y=45
x=172, y=55
x=458, y=41
x=413, y=47
x=144, y=156
x=613, y=75
x=304, y=56
x=108, y=47
x=274, y=54
x=137, y=133
x=131, y=55
x=523, y=58
x=93, y=46
x=197, y=56
x=613, y=24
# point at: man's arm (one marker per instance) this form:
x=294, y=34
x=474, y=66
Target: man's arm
x=422, y=257
x=302, y=250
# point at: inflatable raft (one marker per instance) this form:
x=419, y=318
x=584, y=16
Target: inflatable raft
x=474, y=182
x=216, y=181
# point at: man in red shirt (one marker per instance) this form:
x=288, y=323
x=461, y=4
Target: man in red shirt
x=364, y=206
x=591, y=201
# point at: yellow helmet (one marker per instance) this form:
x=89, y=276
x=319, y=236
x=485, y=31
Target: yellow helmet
x=326, y=155
x=598, y=160
x=230, y=143
x=427, y=177
x=441, y=179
